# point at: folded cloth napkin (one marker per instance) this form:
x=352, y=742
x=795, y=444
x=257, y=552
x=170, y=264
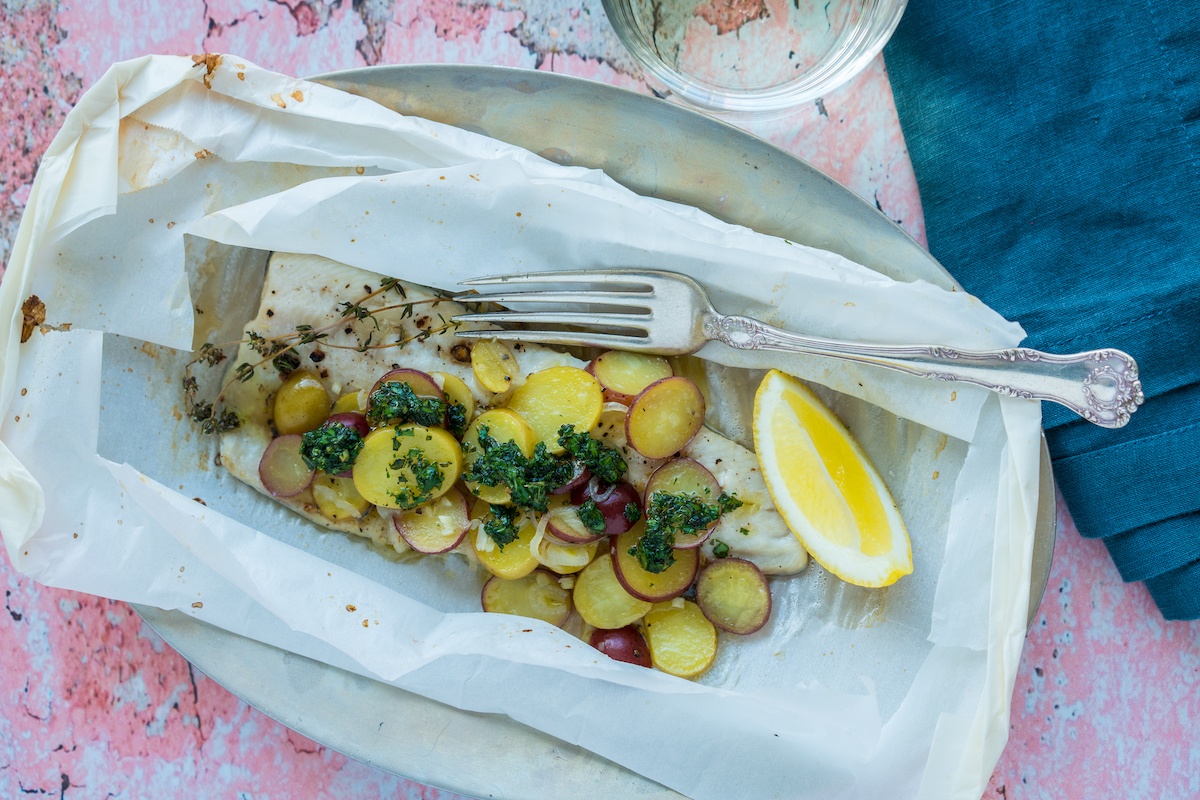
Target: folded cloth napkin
x=1055, y=146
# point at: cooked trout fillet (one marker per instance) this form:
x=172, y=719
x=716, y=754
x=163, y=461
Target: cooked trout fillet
x=311, y=290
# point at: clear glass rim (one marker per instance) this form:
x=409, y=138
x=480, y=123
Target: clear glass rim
x=849, y=56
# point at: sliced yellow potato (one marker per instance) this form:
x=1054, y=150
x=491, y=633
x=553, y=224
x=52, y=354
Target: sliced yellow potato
x=515, y=560
x=682, y=641
x=405, y=466
x=538, y=595
x=652, y=586
x=825, y=488
x=624, y=374
x=494, y=365
x=301, y=404
x=665, y=417
x=601, y=599
x=555, y=397
x=351, y=401
x=734, y=595
x=457, y=391
x=337, y=498
x=503, y=425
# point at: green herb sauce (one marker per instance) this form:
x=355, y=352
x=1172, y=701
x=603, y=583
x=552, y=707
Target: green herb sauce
x=331, y=448
x=396, y=403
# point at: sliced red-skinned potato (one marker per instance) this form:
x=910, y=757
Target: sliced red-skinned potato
x=623, y=644
x=682, y=641
x=734, y=595
x=651, y=586
x=558, y=396
x=565, y=525
x=351, y=419
x=337, y=498
x=386, y=471
x=282, y=469
x=611, y=501
x=538, y=595
x=503, y=425
x=301, y=404
x=684, y=476
x=422, y=383
x=665, y=417
x=601, y=599
x=436, y=527
x=624, y=375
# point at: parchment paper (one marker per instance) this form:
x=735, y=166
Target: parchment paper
x=147, y=230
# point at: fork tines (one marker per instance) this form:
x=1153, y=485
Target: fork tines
x=610, y=320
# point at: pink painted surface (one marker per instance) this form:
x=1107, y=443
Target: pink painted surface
x=92, y=704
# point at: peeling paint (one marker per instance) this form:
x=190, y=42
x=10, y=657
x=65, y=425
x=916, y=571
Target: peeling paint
x=93, y=703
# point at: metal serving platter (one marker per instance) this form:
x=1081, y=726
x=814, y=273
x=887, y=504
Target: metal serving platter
x=656, y=149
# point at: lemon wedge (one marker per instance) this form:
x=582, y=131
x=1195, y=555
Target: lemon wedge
x=825, y=488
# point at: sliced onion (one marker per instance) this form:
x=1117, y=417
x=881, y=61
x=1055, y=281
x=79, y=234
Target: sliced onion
x=555, y=554
x=565, y=525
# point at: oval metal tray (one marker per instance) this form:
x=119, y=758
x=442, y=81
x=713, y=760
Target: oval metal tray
x=656, y=149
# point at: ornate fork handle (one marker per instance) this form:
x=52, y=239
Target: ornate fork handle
x=1102, y=386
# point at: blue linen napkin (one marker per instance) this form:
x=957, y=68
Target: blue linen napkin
x=1055, y=147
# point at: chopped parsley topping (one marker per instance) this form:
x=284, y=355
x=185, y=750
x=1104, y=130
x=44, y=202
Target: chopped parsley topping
x=456, y=420
x=654, y=551
x=728, y=502
x=530, y=480
x=396, y=403
x=632, y=513
x=501, y=526
x=543, y=474
x=426, y=477
x=670, y=515
x=604, y=462
x=591, y=516
x=720, y=549
x=331, y=448
x=498, y=464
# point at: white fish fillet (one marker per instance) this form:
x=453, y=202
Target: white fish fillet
x=309, y=290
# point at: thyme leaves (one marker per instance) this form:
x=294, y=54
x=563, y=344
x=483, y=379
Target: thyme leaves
x=280, y=350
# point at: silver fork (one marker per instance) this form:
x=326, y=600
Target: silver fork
x=667, y=313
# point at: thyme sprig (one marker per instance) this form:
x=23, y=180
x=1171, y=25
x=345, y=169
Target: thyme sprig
x=280, y=350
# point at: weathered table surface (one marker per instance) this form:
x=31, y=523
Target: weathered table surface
x=93, y=704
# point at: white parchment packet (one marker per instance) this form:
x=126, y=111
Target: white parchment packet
x=136, y=233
